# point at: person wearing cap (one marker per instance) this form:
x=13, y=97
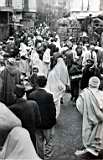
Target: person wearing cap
x=90, y=105
x=10, y=77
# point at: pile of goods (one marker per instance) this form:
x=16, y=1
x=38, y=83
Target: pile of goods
x=67, y=27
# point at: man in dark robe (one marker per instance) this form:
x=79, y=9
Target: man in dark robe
x=10, y=77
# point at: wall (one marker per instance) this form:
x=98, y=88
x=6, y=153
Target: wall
x=5, y=3
x=2, y=3
x=4, y=31
x=17, y=4
x=5, y=18
x=30, y=5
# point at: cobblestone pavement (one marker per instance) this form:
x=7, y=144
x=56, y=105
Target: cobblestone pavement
x=68, y=134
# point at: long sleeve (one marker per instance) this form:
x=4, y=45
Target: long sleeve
x=79, y=104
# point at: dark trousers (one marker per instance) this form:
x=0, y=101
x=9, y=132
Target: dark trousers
x=75, y=88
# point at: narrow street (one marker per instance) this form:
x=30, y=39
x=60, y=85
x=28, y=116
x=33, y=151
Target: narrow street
x=68, y=134
x=48, y=47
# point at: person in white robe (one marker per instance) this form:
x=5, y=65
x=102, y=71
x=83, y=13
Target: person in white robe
x=57, y=80
x=15, y=142
x=23, y=49
x=18, y=145
x=90, y=105
x=36, y=62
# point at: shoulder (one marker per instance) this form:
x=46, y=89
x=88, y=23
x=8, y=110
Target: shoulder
x=4, y=110
x=97, y=69
x=3, y=105
x=32, y=102
x=50, y=95
x=33, y=93
x=48, y=92
x=100, y=92
x=85, y=69
x=85, y=90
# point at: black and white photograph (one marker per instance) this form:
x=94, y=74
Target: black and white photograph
x=51, y=79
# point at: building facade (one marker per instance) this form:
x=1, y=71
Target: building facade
x=72, y=5
x=18, y=6
x=6, y=12
x=15, y=14
x=29, y=13
x=24, y=13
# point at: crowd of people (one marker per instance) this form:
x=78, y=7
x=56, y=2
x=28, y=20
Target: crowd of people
x=36, y=70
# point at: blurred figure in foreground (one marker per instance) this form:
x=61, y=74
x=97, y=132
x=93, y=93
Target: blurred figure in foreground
x=27, y=111
x=15, y=142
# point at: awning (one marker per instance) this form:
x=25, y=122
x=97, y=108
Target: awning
x=6, y=9
x=83, y=15
x=16, y=24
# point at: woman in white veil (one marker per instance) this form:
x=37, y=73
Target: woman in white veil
x=57, y=81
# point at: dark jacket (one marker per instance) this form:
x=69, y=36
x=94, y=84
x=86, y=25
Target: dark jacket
x=75, y=70
x=10, y=77
x=28, y=112
x=46, y=107
x=87, y=74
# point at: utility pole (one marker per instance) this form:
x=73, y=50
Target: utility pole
x=88, y=6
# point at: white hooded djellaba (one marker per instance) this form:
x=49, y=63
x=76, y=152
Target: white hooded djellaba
x=57, y=80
